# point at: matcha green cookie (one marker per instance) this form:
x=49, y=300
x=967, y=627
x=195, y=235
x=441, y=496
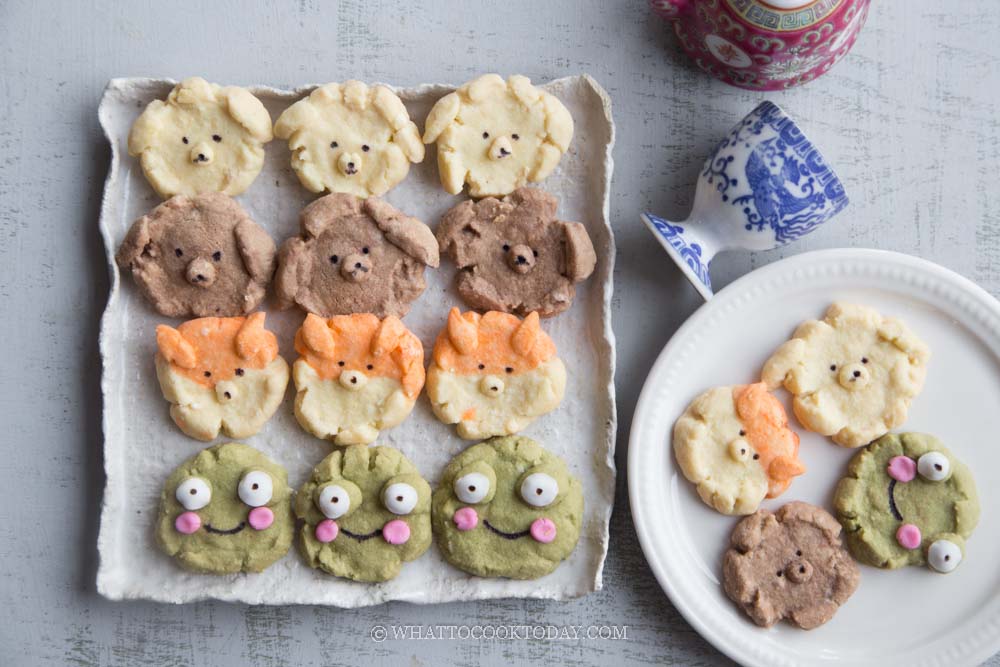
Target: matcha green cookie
x=906, y=500
x=365, y=512
x=227, y=509
x=507, y=508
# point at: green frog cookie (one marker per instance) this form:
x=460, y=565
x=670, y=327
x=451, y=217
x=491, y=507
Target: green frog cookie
x=507, y=508
x=906, y=500
x=365, y=512
x=227, y=509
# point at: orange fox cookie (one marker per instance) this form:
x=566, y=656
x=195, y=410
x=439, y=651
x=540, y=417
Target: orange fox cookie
x=357, y=375
x=734, y=443
x=220, y=374
x=493, y=374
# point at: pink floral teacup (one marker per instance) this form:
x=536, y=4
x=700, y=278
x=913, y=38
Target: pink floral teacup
x=765, y=44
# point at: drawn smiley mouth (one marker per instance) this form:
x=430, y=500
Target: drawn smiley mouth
x=892, y=501
x=509, y=536
x=231, y=531
x=362, y=537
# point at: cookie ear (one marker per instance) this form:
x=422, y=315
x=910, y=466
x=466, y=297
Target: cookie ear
x=408, y=234
x=749, y=532
x=405, y=133
x=174, y=348
x=463, y=334
x=318, y=337
x=558, y=134
x=253, y=340
x=135, y=242
x=249, y=112
x=142, y=136
x=388, y=336
x=326, y=211
x=458, y=229
x=303, y=113
x=294, y=271
x=785, y=360
x=580, y=256
x=443, y=113
x=256, y=248
x=894, y=331
x=526, y=335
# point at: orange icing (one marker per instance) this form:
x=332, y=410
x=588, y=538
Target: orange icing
x=361, y=342
x=496, y=341
x=766, y=426
x=217, y=346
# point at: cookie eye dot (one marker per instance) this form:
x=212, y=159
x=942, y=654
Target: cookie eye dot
x=472, y=488
x=334, y=259
x=486, y=135
x=779, y=573
x=742, y=432
x=535, y=252
x=208, y=374
x=184, y=139
x=240, y=372
x=756, y=457
x=216, y=138
x=798, y=553
x=365, y=250
x=365, y=148
x=334, y=144
x=340, y=363
x=509, y=369
x=515, y=137
x=833, y=367
x=506, y=247
x=178, y=252
x=217, y=255
x=864, y=360
x=194, y=492
x=482, y=366
x=369, y=367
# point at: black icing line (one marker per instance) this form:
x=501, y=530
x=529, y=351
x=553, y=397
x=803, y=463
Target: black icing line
x=509, y=536
x=892, y=500
x=362, y=538
x=231, y=531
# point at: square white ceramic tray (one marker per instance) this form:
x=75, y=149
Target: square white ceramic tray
x=142, y=445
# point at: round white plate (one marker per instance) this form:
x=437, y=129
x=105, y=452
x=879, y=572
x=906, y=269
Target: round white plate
x=909, y=616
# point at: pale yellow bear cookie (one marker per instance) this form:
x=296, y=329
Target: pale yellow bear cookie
x=853, y=373
x=350, y=138
x=220, y=374
x=357, y=375
x=497, y=135
x=493, y=374
x=203, y=138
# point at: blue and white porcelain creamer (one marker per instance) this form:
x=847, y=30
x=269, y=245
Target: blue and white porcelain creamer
x=765, y=186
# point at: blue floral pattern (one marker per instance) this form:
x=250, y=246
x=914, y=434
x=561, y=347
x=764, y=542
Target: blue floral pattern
x=792, y=191
x=689, y=252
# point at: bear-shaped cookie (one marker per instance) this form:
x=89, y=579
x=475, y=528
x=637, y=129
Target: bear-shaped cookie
x=853, y=373
x=493, y=374
x=357, y=376
x=203, y=138
x=789, y=564
x=350, y=138
x=513, y=255
x=497, y=135
x=220, y=374
x=355, y=256
x=201, y=256
x=735, y=445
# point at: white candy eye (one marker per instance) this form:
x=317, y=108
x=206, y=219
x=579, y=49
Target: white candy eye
x=933, y=466
x=193, y=493
x=333, y=501
x=256, y=488
x=943, y=556
x=472, y=488
x=399, y=498
x=539, y=489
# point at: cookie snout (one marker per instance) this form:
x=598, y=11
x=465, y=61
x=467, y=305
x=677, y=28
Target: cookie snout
x=491, y=385
x=799, y=571
x=353, y=380
x=501, y=148
x=521, y=258
x=356, y=268
x=854, y=376
x=740, y=450
x=349, y=163
x=200, y=272
x=202, y=154
x=225, y=391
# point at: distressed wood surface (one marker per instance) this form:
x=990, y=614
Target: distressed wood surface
x=910, y=120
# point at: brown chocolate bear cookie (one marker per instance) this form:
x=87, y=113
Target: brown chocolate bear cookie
x=201, y=256
x=355, y=256
x=514, y=256
x=789, y=564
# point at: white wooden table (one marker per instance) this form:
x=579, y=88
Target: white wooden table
x=909, y=119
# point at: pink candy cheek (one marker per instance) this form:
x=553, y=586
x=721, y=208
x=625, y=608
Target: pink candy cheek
x=466, y=519
x=260, y=518
x=187, y=523
x=908, y=536
x=543, y=530
x=327, y=530
x=902, y=468
x=396, y=532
